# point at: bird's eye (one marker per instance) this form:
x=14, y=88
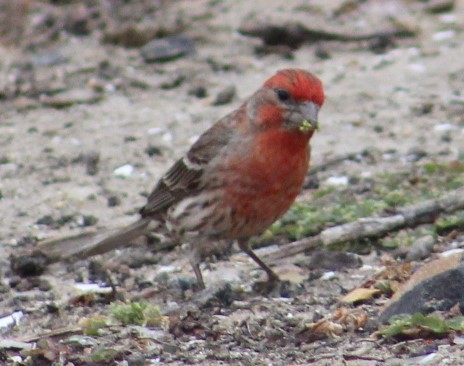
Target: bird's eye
x=283, y=95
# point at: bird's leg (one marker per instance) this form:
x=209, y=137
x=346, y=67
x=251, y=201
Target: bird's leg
x=245, y=246
x=195, y=260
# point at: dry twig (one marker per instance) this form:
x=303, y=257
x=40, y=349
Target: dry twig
x=375, y=227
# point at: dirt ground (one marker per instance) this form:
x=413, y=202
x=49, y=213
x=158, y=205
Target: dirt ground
x=61, y=159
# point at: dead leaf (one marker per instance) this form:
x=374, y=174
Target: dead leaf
x=351, y=318
x=326, y=327
x=359, y=295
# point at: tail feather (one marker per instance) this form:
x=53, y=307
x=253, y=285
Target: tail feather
x=88, y=244
x=120, y=238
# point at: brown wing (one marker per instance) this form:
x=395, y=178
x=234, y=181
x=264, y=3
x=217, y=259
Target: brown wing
x=185, y=175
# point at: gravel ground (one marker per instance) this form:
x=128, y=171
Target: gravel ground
x=87, y=126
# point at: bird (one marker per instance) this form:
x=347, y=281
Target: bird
x=239, y=177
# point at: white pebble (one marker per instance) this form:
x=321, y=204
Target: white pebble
x=443, y=127
x=388, y=157
x=57, y=140
x=155, y=131
x=450, y=252
x=327, y=276
x=459, y=340
x=337, y=181
x=441, y=36
x=366, y=267
x=419, y=68
x=167, y=137
x=12, y=319
x=111, y=88
x=193, y=139
x=92, y=287
x=12, y=242
x=166, y=269
x=124, y=170
x=427, y=359
x=386, y=58
x=8, y=167
x=448, y=18
x=413, y=51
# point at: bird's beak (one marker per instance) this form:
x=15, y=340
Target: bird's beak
x=309, y=110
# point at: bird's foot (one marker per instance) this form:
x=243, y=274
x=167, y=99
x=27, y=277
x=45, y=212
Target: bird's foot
x=265, y=287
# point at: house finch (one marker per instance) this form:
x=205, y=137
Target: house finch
x=241, y=175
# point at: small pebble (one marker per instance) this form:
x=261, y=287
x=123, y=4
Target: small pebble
x=418, y=68
x=16, y=345
x=225, y=96
x=193, y=139
x=378, y=129
x=130, y=139
x=427, y=359
x=337, y=181
x=198, y=91
x=321, y=52
x=442, y=36
x=52, y=308
x=88, y=220
x=92, y=287
x=124, y=170
x=92, y=159
x=327, y=276
x=71, y=97
x=129, y=36
x=311, y=182
x=8, y=168
x=415, y=154
x=450, y=252
x=420, y=249
x=44, y=285
x=12, y=319
x=423, y=108
x=381, y=44
x=173, y=82
x=458, y=340
x=113, y=201
x=448, y=18
x=167, y=137
x=49, y=59
x=155, y=131
x=443, y=127
x=167, y=49
x=166, y=269
x=329, y=260
x=29, y=265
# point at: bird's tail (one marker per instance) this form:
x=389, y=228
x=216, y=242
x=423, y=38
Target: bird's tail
x=88, y=244
x=118, y=239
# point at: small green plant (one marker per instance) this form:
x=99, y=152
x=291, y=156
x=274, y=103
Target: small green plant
x=94, y=326
x=420, y=325
x=138, y=313
x=407, y=237
x=104, y=354
x=447, y=223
